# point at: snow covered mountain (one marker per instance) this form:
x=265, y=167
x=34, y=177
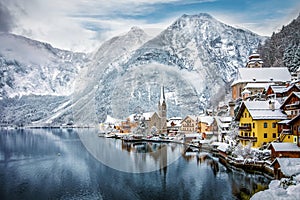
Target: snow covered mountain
x=195, y=59
x=35, y=78
x=30, y=67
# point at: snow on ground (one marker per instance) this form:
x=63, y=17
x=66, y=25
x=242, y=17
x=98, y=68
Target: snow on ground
x=284, y=189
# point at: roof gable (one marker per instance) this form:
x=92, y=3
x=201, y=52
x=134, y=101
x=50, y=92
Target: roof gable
x=285, y=146
x=289, y=99
x=261, y=110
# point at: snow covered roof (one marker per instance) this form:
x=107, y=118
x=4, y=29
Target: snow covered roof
x=278, y=88
x=261, y=110
x=285, y=146
x=295, y=94
x=176, y=121
x=267, y=75
x=226, y=119
x=246, y=91
x=147, y=116
x=258, y=85
x=289, y=166
x=286, y=121
x=206, y=119
x=223, y=147
x=111, y=120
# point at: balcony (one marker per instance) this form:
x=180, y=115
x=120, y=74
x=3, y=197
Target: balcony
x=252, y=139
x=293, y=106
x=286, y=131
x=245, y=127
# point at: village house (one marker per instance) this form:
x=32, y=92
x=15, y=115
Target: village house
x=174, y=125
x=286, y=167
x=189, y=124
x=291, y=105
x=284, y=150
x=281, y=91
x=258, y=122
x=223, y=124
x=207, y=126
x=291, y=126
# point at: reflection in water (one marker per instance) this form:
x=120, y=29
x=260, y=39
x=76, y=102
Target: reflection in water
x=59, y=164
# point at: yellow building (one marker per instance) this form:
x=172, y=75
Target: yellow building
x=258, y=122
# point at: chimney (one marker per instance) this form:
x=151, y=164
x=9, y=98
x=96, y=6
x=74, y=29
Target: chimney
x=272, y=105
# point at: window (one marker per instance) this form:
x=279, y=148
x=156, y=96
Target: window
x=253, y=134
x=246, y=134
x=242, y=133
x=265, y=135
x=273, y=125
x=253, y=125
x=295, y=140
x=245, y=115
x=274, y=135
x=253, y=144
x=265, y=125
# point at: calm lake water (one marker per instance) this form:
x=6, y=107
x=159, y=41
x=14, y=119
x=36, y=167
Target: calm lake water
x=77, y=164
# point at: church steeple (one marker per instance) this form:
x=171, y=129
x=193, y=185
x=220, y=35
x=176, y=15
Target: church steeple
x=162, y=95
x=162, y=111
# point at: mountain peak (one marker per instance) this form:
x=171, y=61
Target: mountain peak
x=137, y=31
x=199, y=16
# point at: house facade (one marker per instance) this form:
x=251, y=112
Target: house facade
x=189, y=124
x=258, y=122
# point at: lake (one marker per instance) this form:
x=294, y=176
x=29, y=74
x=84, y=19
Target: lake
x=77, y=164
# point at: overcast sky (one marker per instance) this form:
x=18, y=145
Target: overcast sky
x=82, y=25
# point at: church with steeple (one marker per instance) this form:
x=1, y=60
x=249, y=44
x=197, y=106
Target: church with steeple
x=162, y=111
x=153, y=120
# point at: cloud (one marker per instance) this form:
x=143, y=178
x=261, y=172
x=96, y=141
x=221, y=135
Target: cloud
x=6, y=19
x=82, y=25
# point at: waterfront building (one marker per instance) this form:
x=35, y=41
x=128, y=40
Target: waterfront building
x=287, y=150
x=189, y=124
x=286, y=167
x=258, y=122
x=224, y=124
x=174, y=124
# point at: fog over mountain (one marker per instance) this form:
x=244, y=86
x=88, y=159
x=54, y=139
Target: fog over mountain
x=195, y=59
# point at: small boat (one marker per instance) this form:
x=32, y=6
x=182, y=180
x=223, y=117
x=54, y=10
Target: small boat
x=110, y=135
